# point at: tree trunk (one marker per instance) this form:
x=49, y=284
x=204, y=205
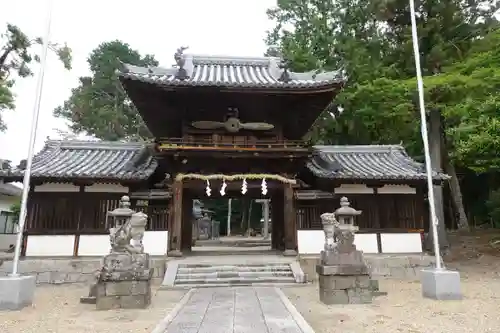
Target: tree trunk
x=435, y=135
x=455, y=190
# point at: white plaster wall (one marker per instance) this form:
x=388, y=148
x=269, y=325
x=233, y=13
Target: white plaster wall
x=6, y=240
x=312, y=242
x=107, y=188
x=93, y=245
x=57, y=187
x=397, y=189
x=353, y=189
x=63, y=187
x=50, y=246
x=155, y=243
x=401, y=243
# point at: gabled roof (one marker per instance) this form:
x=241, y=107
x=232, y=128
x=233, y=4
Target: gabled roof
x=72, y=160
x=242, y=72
x=374, y=162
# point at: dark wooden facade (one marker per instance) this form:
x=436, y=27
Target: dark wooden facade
x=396, y=212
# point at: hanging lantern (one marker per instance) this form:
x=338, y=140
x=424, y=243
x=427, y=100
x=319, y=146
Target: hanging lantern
x=244, y=187
x=223, y=188
x=263, y=185
x=208, y=190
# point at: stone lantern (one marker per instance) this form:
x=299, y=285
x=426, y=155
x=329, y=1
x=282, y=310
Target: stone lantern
x=342, y=273
x=121, y=215
x=124, y=279
x=345, y=214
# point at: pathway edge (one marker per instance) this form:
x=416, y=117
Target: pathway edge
x=299, y=319
x=163, y=324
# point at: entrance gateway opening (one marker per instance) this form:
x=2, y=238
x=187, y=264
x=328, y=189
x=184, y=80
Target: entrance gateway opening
x=234, y=225
x=235, y=216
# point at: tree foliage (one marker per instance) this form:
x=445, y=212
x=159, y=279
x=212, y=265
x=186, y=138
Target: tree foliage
x=17, y=54
x=98, y=106
x=371, y=41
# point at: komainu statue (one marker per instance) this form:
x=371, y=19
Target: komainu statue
x=124, y=280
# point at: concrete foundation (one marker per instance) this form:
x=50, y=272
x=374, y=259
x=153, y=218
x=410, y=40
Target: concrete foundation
x=16, y=292
x=441, y=284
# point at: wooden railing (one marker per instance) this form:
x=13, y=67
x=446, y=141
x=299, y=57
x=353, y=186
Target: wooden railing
x=236, y=142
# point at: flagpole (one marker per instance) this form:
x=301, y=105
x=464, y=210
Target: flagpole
x=425, y=138
x=34, y=127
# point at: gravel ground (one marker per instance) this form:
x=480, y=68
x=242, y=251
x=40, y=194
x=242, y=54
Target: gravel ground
x=56, y=309
x=404, y=310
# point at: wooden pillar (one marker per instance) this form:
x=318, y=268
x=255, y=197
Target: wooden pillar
x=278, y=223
x=289, y=222
x=176, y=220
x=187, y=223
x=421, y=214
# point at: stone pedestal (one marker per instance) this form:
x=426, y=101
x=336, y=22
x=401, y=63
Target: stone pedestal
x=344, y=278
x=16, y=292
x=124, y=282
x=441, y=284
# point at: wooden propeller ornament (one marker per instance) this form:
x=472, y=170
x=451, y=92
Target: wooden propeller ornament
x=233, y=125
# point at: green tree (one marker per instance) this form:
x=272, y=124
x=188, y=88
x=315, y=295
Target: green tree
x=98, y=106
x=17, y=54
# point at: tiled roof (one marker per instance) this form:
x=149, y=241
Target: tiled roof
x=10, y=190
x=378, y=162
x=242, y=72
x=110, y=161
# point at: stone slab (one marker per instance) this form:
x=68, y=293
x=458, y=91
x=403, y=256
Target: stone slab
x=170, y=273
x=342, y=270
x=441, y=284
x=234, y=310
x=17, y=292
x=297, y=272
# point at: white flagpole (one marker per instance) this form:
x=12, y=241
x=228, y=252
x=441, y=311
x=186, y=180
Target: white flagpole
x=34, y=126
x=425, y=139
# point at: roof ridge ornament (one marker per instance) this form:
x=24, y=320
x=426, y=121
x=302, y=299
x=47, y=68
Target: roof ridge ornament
x=181, y=61
x=285, y=65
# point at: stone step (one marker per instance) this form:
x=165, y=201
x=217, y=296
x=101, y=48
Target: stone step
x=223, y=285
x=235, y=281
x=188, y=269
x=234, y=274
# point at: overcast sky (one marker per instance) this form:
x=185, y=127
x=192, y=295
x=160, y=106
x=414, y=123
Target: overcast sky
x=159, y=27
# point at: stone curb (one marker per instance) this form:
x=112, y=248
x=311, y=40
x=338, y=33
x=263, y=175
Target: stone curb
x=301, y=322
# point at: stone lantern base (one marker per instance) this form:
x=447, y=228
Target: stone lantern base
x=344, y=278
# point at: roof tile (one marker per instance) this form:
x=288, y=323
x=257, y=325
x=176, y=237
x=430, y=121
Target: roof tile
x=380, y=162
x=262, y=72
x=90, y=160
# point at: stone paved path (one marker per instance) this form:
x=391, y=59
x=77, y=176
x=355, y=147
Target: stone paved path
x=234, y=310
